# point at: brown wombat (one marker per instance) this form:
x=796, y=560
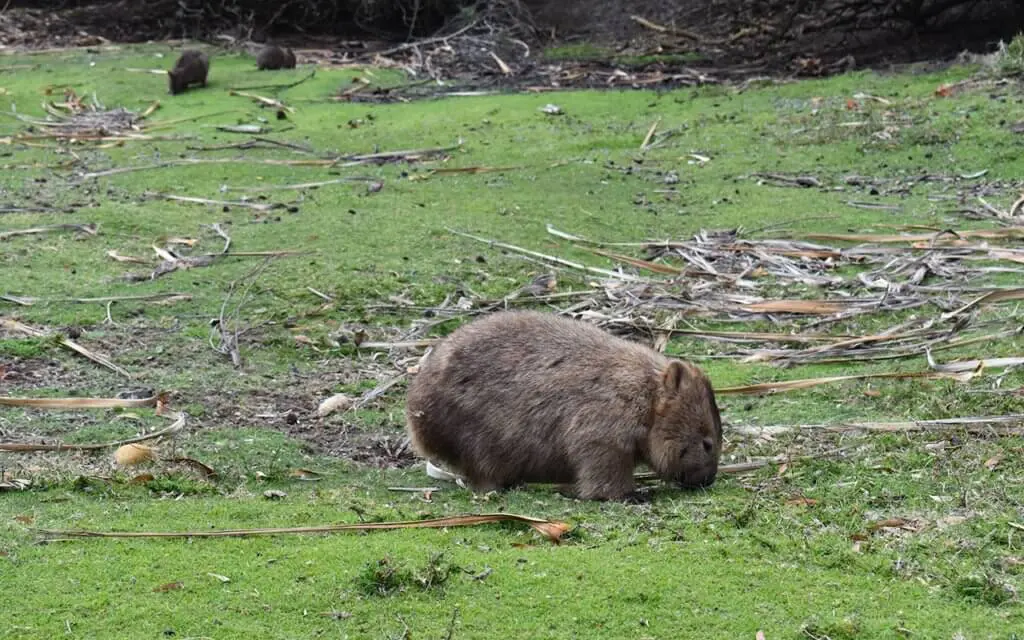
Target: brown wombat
x=191, y=68
x=524, y=396
x=275, y=57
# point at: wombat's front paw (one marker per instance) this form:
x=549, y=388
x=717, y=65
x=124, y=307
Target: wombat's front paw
x=637, y=497
x=567, y=491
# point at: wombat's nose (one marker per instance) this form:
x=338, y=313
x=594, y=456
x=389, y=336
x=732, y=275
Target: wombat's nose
x=709, y=445
x=699, y=482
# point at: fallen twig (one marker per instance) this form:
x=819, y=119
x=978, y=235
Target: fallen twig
x=792, y=385
x=22, y=447
x=89, y=229
x=1007, y=425
x=257, y=206
x=79, y=403
x=275, y=86
x=553, y=530
x=70, y=344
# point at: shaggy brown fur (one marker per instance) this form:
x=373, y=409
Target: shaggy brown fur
x=190, y=68
x=532, y=397
x=274, y=57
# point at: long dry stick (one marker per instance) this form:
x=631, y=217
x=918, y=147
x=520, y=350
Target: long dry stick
x=1007, y=425
x=23, y=447
x=792, y=385
x=79, y=403
x=70, y=344
x=542, y=256
x=551, y=529
x=82, y=228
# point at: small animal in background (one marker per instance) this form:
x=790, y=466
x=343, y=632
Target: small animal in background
x=191, y=68
x=275, y=57
x=523, y=396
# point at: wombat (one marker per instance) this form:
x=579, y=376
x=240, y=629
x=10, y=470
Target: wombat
x=275, y=57
x=524, y=396
x=191, y=68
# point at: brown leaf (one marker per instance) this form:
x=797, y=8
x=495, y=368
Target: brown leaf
x=801, y=501
x=993, y=462
x=202, y=467
x=143, y=478
x=170, y=586
x=553, y=531
x=872, y=393
x=806, y=383
x=25, y=519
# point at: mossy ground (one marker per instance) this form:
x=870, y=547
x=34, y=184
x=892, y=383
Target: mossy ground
x=788, y=550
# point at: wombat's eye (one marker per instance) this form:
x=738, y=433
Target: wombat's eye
x=709, y=445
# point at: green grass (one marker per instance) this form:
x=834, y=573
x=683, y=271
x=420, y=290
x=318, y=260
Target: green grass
x=790, y=551
x=590, y=52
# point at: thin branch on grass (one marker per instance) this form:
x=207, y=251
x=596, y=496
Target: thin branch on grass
x=376, y=392
x=88, y=229
x=65, y=342
x=80, y=403
x=552, y=259
x=551, y=529
x=270, y=102
x=262, y=207
x=288, y=85
x=303, y=185
x=23, y=447
x=226, y=326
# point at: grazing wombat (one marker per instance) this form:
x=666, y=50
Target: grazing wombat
x=275, y=57
x=191, y=68
x=524, y=396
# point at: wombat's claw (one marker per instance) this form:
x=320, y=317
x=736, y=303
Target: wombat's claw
x=437, y=473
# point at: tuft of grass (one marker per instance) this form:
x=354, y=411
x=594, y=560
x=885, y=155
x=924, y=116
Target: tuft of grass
x=383, y=577
x=386, y=576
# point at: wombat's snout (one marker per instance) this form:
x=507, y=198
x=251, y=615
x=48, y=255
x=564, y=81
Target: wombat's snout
x=701, y=476
x=699, y=480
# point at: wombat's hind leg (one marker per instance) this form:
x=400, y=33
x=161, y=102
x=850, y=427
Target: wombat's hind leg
x=605, y=475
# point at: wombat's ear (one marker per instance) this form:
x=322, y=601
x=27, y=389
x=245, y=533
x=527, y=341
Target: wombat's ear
x=674, y=376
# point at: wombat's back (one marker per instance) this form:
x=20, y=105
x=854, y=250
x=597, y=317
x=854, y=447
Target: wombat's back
x=191, y=67
x=275, y=57
x=500, y=398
